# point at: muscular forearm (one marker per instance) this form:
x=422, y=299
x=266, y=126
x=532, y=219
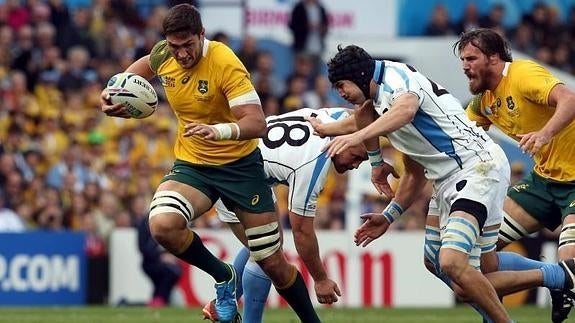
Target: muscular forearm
x=337, y=128
x=308, y=249
x=251, y=125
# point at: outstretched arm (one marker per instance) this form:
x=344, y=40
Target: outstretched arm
x=376, y=224
x=400, y=113
x=337, y=128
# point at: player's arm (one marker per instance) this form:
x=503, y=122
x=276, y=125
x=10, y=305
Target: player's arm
x=142, y=68
x=401, y=112
x=563, y=99
x=336, y=128
x=307, y=247
x=251, y=119
x=410, y=184
x=306, y=244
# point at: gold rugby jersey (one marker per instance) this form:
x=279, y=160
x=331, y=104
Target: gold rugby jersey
x=202, y=94
x=519, y=105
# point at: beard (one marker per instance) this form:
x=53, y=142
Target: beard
x=478, y=84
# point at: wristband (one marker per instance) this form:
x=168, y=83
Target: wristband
x=224, y=131
x=392, y=212
x=375, y=158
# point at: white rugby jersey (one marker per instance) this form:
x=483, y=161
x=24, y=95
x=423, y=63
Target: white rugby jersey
x=293, y=155
x=440, y=137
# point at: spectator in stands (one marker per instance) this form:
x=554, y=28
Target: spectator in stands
x=494, y=18
x=439, y=24
x=470, y=19
x=9, y=220
x=309, y=26
x=523, y=39
x=264, y=72
x=320, y=95
x=222, y=37
x=248, y=52
x=160, y=266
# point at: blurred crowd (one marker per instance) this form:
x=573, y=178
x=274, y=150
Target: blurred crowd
x=64, y=165
x=542, y=33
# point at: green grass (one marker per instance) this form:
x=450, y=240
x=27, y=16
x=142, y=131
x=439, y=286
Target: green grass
x=460, y=314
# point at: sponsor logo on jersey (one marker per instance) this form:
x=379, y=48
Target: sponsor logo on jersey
x=255, y=199
x=186, y=79
x=510, y=103
x=572, y=204
x=520, y=187
x=203, y=86
x=167, y=81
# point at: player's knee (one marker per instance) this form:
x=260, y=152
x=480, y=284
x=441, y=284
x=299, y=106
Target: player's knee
x=510, y=231
x=450, y=264
x=169, y=213
x=264, y=241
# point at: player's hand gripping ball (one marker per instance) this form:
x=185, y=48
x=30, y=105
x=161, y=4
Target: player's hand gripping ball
x=134, y=92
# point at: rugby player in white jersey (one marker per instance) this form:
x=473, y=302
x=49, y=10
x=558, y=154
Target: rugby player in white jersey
x=469, y=172
x=293, y=156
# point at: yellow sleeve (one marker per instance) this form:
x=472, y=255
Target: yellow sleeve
x=158, y=55
x=474, y=113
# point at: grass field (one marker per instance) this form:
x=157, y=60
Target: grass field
x=181, y=315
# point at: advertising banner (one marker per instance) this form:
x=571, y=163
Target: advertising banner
x=388, y=273
x=42, y=268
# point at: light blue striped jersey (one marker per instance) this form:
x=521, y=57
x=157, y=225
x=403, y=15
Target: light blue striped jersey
x=440, y=137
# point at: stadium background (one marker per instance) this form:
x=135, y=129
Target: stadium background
x=79, y=181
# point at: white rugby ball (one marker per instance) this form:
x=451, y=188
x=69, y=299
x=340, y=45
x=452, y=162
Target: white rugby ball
x=134, y=92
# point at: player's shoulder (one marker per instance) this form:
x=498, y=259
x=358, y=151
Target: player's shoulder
x=526, y=66
x=220, y=54
x=159, y=54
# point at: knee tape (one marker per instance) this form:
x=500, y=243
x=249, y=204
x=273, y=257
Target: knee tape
x=488, y=240
x=567, y=236
x=171, y=202
x=511, y=230
x=432, y=245
x=460, y=234
x=263, y=240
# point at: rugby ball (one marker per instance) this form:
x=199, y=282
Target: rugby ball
x=134, y=92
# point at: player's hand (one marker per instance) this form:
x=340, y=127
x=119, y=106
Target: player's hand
x=341, y=143
x=317, y=126
x=199, y=129
x=110, y=109
x=379, y=177
x=532, y=142
x=327, y=291
x=374, y=226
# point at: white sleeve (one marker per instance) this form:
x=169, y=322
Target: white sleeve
x=305, y=184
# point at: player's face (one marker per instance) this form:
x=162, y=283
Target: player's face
x=186, y=48
x=476, y=68
x=349, y=91
x=349, y=159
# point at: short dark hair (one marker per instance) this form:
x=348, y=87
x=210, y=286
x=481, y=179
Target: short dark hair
x=487, y=40
x=354, y=64
x=183, y=18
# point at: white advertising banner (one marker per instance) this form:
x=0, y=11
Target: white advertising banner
x=388, y=273
x=269, y=18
